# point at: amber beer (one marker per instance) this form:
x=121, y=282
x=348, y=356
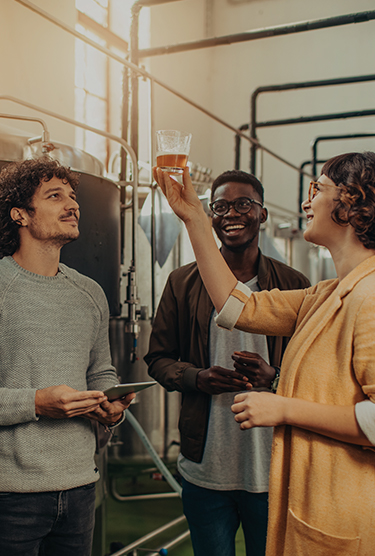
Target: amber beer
x=172, y=163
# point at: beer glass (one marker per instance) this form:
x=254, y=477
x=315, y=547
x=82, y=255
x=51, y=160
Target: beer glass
x=172, y=150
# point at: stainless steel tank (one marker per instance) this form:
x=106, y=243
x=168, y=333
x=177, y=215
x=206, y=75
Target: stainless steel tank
x=96, y=253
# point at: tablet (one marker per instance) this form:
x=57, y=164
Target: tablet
x=120, y=390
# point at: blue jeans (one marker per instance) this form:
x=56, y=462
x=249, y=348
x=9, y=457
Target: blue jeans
x=47, y=523
x=214, y=517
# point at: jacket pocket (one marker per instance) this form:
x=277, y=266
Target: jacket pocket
x=302, y=539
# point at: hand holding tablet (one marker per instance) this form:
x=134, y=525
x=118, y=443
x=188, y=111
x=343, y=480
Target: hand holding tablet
x=120, y=390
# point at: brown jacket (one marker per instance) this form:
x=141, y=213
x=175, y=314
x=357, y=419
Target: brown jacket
x=322, y=491
x=178, y=347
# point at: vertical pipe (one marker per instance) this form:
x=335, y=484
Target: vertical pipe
x=237, y=146
x=300, y=192
x=253, y=131
x=134, y=58
x=313, y=161
x=153, y=190
x=237, y=151
x=123, y=154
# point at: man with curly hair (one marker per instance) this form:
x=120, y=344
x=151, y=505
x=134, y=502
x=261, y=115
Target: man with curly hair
x=55, y=364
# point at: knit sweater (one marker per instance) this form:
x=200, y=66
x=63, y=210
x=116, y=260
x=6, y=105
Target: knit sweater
x=53, y=330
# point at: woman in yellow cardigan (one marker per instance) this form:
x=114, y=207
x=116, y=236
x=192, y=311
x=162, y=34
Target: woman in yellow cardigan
x=322, y=481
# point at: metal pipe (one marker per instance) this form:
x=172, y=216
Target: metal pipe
x=312, y=84
x=237, y=147
x=153, y=192
x=172, y=543
x=283, y=210
x=265, y=32
x=333, y=138
x=28, y=119
x=126, y=63
x=300, y=189
x=318, y=118
x=128, y=498
x=286, y=87
x=144, y=73
x=151, y=450
x=145, y=3
x=135, y=9
x=149, y=536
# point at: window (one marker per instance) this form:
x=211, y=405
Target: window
x=94, y=73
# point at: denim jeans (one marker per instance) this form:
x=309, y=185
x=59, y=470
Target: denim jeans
x=47, y=523
x=214, y=517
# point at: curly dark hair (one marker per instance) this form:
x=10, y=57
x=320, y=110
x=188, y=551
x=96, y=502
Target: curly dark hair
x=237, y=176
x=355, y=174
x=18, y=183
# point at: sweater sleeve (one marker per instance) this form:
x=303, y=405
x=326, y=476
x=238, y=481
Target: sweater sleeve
x=17, y=406
x=101, y=374
x=272, y=313
x=365, y=414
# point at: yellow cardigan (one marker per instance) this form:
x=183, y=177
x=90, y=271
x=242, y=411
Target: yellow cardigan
x=322, y=491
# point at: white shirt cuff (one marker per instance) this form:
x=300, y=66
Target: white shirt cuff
x=365, y=414
x=232, y=308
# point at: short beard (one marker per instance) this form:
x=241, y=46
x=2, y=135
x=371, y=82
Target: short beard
x=240, y=248
x=61, y=240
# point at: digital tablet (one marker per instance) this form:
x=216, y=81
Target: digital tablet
x=120, y=390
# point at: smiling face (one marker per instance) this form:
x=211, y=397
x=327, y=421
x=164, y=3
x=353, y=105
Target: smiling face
x=320, y=228
x=54, y=216
x=238, y=231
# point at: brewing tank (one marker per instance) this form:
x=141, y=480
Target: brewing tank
x=96, y=253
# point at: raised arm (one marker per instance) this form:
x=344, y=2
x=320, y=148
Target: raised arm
x=216, y=275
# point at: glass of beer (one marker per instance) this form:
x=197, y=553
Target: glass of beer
x=172, y=150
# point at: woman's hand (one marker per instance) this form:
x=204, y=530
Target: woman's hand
x=259, y=409
x=181, y=197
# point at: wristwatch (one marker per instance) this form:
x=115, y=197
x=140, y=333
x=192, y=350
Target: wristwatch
x=275, y=381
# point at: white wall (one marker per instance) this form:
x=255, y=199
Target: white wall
x=190, y=73
x=222, y=79
x=37, y=64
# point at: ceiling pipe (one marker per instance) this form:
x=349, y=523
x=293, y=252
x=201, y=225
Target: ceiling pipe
x=265, y=32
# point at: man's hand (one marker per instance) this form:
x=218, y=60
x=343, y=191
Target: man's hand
x=108, y=413
x=252, y=365
x=63, y=402
x=217, y=380
x=259, y=409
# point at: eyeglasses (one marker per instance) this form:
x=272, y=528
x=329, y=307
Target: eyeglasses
x=243, y=205
x=314, y=189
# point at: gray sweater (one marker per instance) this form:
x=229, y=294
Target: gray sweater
x=53, y=330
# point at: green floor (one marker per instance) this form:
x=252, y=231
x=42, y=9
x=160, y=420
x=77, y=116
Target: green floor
x=128, y=521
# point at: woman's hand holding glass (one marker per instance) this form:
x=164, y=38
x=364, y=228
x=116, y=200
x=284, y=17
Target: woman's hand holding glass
x=181, y=196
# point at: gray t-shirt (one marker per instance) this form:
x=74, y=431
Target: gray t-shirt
x=233, y=459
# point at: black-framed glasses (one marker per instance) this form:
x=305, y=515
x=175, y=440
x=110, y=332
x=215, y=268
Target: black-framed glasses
x=242, y=205
x=314, y=189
